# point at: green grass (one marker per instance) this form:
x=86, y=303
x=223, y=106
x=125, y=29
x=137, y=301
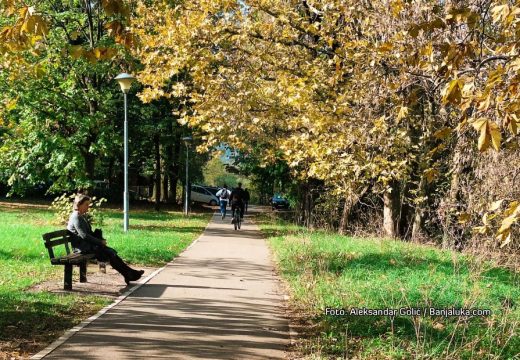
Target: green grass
x=327, y=270
x=29, y=320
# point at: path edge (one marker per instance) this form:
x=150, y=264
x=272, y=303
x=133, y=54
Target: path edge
x=284, y=289
x=69, y=333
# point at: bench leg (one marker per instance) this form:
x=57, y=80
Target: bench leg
x=83, y=272
x=67, y=282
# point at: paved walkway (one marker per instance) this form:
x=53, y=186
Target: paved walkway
x=219, y=300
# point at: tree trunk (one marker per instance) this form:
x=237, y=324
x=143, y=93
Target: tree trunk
x=418, y=220
x=343, y=223
x=110, y=174
x=90, y=164
x=174, y=167
x=164, y=183
x=350, y=202
x=309, y=207
x=391, y=211
x=157, y=182
x=453, y=203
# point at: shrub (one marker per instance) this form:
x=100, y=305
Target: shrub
x=62, y=207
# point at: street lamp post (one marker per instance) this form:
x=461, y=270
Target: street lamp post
x=187, y=141
x=125, y=81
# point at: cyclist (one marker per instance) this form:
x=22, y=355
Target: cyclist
x=223, y=194
x=237, y=199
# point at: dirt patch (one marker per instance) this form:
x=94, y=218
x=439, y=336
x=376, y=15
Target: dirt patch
x=19, y=205
x=22, y=344
x=110, y=284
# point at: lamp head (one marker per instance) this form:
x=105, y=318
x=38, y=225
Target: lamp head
x=125, y=81
x=187, y=139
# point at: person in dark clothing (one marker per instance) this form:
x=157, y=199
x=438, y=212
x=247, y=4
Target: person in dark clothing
x=92, y=242
x=237, y=199
x=246, y=199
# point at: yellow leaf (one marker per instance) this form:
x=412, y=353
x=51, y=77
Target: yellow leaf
x=442, y=133
x=76, y=51
x=485, y=220
x=484, y=104
x=481, y=229
x=483, y=140
x=513, y=124
x=431, y=174
x=496, y=205
x=28, y=25
x=499, y=12
x=464, y=218
x=403, y=111
x=496, y=136
x=11, y=104
x=506, y=224
x=438, y=326
x=453, y=91
x=479, y=123
x=23, y=12
x=506, y=241
x=41, y=27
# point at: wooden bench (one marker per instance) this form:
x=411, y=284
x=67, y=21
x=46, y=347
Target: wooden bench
x=65, y=237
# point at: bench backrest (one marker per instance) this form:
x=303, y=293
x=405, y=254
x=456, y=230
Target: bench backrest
x=56, y=238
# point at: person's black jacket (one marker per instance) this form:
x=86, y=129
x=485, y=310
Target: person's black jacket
x=237, y=196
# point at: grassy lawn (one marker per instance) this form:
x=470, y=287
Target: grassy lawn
x=332, y=271
x=30, y=320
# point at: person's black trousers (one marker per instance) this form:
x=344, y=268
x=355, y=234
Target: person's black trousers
x=107, y=254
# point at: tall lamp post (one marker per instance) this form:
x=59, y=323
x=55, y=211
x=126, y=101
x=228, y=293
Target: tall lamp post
x=125, y=81
x=187, y=140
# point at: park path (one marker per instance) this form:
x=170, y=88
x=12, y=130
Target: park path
x=220, y=299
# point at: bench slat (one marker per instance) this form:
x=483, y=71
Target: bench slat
x=53, y=243
x=56, y=238
x=55, y=234
x=71, y=259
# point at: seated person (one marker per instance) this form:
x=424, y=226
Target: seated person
x=92, y=242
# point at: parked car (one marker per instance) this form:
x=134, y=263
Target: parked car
x=212, y=189
x=279, y=202
x=202, y=194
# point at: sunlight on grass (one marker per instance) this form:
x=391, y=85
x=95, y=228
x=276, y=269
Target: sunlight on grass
x=35, y=319
x=327, y=270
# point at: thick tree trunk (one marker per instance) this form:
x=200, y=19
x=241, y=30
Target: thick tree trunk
x=308, y=208
x=343, y=223
x=391, y=211
x=350, y=202
x=90, y=164
x=453, y=203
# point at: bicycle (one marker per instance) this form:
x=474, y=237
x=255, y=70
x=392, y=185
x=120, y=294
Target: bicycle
x=237, y=221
